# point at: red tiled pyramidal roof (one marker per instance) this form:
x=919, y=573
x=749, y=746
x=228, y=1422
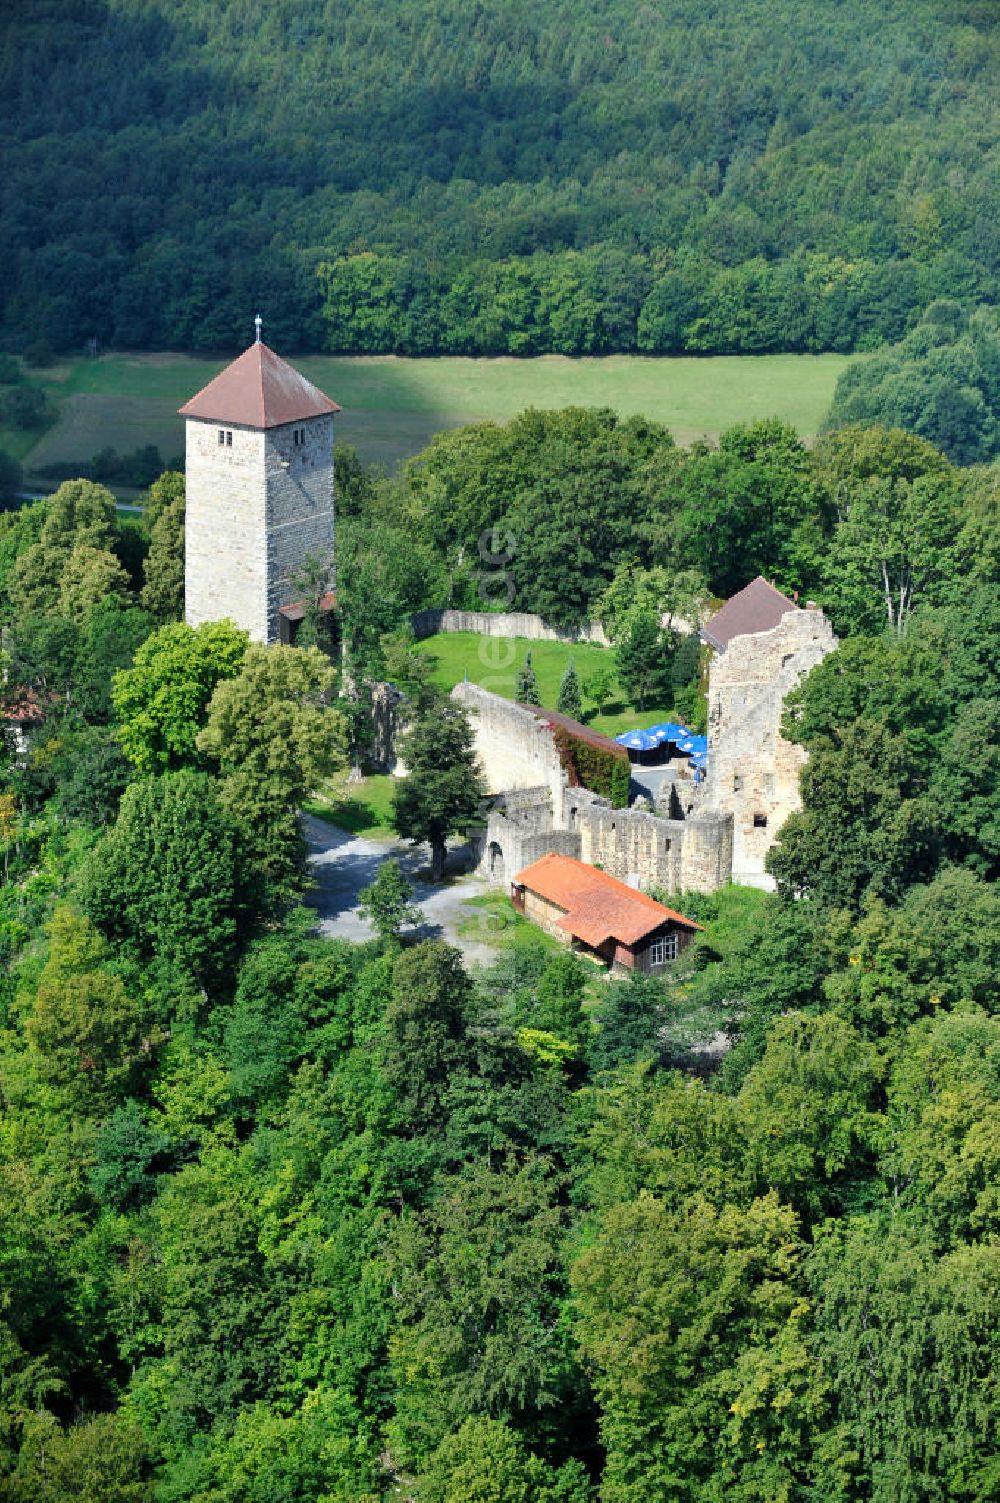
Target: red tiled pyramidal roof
x=757, y=607
x=259, y=390
x=598, y=906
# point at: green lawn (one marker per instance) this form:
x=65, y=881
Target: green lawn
x=494, y=921
x=493, y=663
x=363, y=808
x=393, y=405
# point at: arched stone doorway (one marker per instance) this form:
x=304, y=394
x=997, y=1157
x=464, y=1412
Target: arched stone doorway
x=495, y=861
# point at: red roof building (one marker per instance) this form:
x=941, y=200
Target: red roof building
x=259, y=390
x=757, y=607
x=599, y=915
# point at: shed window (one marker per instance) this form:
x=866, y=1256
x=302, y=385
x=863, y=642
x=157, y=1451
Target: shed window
x=662, y=949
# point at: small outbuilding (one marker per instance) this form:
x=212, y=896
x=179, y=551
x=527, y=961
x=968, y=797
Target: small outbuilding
x=600, y=916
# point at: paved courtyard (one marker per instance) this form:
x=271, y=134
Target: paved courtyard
x=343, y=864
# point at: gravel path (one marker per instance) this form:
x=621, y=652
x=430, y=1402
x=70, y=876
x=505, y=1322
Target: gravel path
x=343, y=864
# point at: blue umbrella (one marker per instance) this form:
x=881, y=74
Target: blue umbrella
x=669, y=730
x=638, y=740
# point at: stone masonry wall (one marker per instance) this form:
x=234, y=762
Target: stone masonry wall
x=502, y=624
x=256, y=509
x=753, y=772
x=539, y=812
x=225, y=539
x=514, y=749
x=633, y=845
x=299, y=508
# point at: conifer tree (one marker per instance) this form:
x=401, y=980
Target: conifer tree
x=527, y=684
x=570, y=700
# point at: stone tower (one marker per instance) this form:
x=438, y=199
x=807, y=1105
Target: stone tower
x=753, y=772
x=259, y=494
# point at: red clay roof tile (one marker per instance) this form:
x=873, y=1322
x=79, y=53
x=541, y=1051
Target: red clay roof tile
x=598, y=906
x=259, y=390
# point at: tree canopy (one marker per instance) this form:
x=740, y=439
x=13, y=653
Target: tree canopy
x=565, y=178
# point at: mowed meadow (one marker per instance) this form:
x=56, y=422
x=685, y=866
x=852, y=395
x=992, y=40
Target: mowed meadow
x=393, y=405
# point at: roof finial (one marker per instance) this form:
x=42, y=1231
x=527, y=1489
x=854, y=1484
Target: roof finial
x=258, y=321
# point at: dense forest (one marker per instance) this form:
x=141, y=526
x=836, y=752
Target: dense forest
x=302, y=1221
x=575, y=177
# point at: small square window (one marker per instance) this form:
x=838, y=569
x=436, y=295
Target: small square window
x=760, y=821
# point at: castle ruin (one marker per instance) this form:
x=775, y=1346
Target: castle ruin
x=701, y=836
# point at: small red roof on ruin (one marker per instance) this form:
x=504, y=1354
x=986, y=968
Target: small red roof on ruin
x=297, y=610
x=598, y=906
x=259, y=390
x=579, y=731
x=757, y=607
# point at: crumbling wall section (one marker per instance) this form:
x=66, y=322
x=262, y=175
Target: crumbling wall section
x=633, y=845
x=753, y=772
x=514, y=749
x=536, y=812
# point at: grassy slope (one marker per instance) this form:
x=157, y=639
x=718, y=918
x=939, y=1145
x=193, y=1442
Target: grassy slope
x=363, y=808
x=493, y=662
x=392, y=406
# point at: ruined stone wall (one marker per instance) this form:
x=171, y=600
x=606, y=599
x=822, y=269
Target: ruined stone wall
x=519, y=830
x=388, y=722
x=225, y=528
x=633, y=845
x=753, y=772
x=514, y=749
x=299, y=480
x=502, y=624
x=539, y=812
x=707, y=858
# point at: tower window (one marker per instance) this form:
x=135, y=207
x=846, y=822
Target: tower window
x=299, y=437
x=229, y=438
x=760, y=821
x=222, y=437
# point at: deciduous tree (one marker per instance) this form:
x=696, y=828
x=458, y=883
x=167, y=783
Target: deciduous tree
x=444, y=789
x=162, y=701
x=274, y=734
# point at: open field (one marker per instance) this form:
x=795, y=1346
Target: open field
x=393, y=405
x=493, y=663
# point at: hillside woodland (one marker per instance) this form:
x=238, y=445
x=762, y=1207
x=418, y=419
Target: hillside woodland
x=396, y=175
x=300, y=1220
